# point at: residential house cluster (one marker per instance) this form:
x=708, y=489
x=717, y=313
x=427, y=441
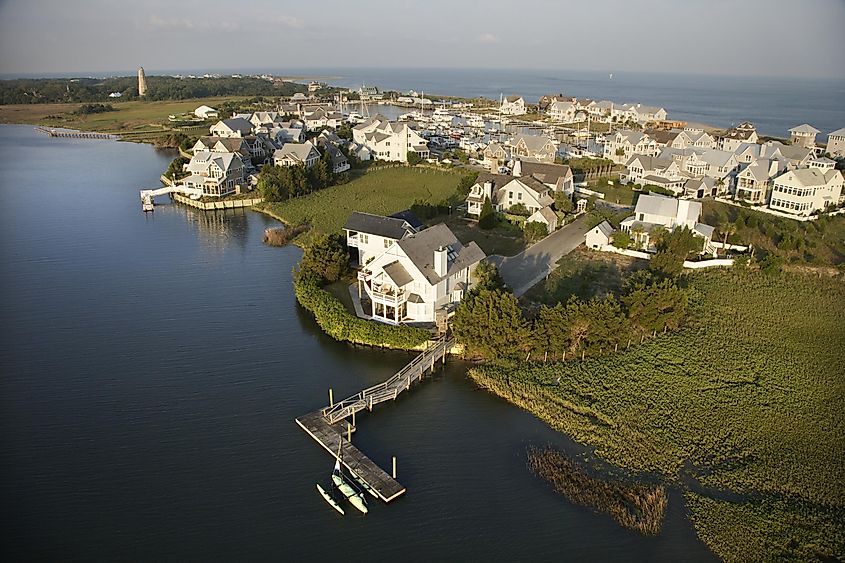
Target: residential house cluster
x=792, y=178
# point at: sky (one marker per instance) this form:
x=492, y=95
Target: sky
x=789, y=38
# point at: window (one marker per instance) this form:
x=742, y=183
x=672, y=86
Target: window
x=387, y=242
x=364, y=237
x=519, y=196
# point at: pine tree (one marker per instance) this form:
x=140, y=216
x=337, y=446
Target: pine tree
x=487, y=217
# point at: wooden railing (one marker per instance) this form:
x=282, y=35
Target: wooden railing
x=390, y=388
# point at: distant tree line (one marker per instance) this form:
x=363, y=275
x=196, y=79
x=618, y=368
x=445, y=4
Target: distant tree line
x=70, y=90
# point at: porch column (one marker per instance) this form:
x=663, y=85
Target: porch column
x=396, y=311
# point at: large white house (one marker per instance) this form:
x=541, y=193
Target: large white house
x=389, y=140
x=217, y=174
x=372, y=234
x=667, y=212
x=806, y=190
x=419, y=278
x=513, y=105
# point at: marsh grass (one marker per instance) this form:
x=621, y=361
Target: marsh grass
x=636, y=506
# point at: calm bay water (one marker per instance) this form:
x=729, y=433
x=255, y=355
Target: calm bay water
x=152, y=367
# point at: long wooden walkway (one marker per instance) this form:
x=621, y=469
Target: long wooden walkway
x=75, y=134
x=326, y=425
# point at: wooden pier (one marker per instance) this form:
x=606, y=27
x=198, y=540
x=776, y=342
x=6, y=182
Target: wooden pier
x=327, y=425
x=75, y=134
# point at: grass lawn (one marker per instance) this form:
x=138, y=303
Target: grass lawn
x=382, y=191
x=130, y=118
x=505, y=239
x=585, y=273
x=749, y=399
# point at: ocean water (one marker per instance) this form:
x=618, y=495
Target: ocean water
x=773, y=104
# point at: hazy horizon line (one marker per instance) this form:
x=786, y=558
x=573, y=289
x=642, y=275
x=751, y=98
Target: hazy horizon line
x=314, y=72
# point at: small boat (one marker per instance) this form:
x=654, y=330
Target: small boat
x=329, y=499
x=364, y=485
x=351, y=493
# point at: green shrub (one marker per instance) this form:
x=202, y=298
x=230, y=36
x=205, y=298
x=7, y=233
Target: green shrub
x=336, y=321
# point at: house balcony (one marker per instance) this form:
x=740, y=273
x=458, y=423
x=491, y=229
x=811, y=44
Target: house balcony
x=381, y=292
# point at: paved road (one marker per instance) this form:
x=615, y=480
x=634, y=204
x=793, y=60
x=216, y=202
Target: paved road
x=526, y=269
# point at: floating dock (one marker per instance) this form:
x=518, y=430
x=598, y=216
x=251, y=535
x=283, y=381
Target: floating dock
x=328, y=425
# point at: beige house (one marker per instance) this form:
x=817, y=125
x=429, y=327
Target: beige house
x=506, y=191
x=495, y=156
x=754, y=181
x=806, y=190
x=535, y=147
x=562, y=111
x=546, y=217
x=599, y=236
x=836, y=143
x=803, y=135
x=292, y=154
x=745, y=132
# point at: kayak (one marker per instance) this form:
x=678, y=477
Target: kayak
x=329, y=499
x=345, y=487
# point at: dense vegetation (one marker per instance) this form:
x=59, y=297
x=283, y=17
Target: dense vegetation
x=748, y=398
x=326, y=260
x=381, y=190
x=819, y=243
x=280, y=183
x=56, y=90
x=491, y=325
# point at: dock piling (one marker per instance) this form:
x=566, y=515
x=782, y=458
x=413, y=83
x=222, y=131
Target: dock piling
x=394, y=467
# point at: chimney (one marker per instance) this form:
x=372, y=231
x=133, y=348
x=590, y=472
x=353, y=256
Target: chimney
x=441, y=262
x=683, y=212
x=517, y=168
x=487, y=190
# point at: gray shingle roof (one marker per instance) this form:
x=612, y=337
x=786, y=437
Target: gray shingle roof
x=398, y=274
x=388, y=227
x=420, y=247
